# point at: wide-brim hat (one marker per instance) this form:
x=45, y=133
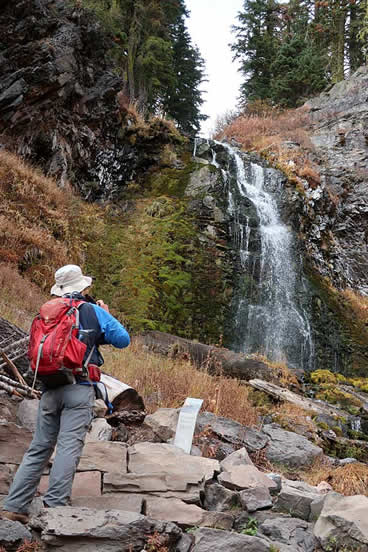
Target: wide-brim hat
x=69, y=278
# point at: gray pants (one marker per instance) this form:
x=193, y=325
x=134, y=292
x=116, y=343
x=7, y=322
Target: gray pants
x=64, y=416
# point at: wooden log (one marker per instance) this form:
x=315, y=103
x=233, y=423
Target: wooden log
x=13, y=368
x=289, y=396
x=215, y=359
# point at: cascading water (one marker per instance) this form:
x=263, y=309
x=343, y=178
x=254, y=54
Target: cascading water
x=268, y=316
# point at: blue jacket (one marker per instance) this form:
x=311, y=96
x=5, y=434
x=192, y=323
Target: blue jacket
x=106, y=330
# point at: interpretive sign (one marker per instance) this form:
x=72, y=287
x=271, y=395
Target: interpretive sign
x=186, y=423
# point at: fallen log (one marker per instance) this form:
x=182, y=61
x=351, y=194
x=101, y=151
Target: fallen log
x=288, y=396
x=215, y=359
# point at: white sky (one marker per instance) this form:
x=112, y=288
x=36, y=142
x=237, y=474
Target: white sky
x=209, y=25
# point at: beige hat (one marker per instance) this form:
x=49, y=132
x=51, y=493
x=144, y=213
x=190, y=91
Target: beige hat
x=69, y=278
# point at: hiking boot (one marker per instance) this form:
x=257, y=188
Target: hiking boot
x=14, y=516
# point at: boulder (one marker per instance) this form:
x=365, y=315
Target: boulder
x=163, y=422
x=103, y=456
x=296, y=498
x=68, y=529
x=245, y=477
x=14, y=441
x=276, y=478
x=156, y=458
x=12, y=534
x=343, y=521
x=238, y=458
x=296, y=534
x=186, y=515
x=100, y=431
x=214, y=540
x=219, y=499
x=7, y=472
x=258, y=498
x=288, y=448
x=232, y=432
x=27, y=414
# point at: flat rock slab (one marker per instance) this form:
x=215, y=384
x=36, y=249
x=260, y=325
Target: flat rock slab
x=214, y=540
x=343, y=520
x=186, y=515
x=14, y=441
x=155, y=458
x=84, y=484
x=13, y=533
x=219, y=499
x=128, y=502
x=288, y=448
x=104, y=456
x=245, y=477
x=99, y=530
x=233, y=432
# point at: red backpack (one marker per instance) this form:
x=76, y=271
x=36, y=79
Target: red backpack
x=53, y=343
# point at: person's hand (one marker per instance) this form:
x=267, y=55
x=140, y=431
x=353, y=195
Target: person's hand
x=103, y=305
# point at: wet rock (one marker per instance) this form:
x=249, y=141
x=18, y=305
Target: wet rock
x=288, y=448
x=214, y=540
x=258, y=498
x=245, y=477
x=12, y=534
x=343, y=521
x=296, y=534
x=219, y=499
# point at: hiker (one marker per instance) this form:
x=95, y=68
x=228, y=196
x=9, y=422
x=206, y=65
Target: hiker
x=65, y=409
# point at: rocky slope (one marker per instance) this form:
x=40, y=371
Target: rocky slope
x=152, y=496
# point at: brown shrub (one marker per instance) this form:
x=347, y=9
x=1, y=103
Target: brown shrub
x=351, y=479
x=358, y=302
x=20, y=299
x=165, y=382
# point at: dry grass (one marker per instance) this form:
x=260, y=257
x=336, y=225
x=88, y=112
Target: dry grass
x=284, y=375
x=293, y=418
x=36, y=220
x=348, y=480
x=167, y=382
x=20, y=299
x=359, y=304
x=265, y=130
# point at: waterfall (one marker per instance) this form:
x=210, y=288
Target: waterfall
x=267, y=316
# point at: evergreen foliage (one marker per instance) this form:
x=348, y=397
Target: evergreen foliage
x=290, y=51
x=162, y=69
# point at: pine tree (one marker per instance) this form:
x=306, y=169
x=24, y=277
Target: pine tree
x=257, y=41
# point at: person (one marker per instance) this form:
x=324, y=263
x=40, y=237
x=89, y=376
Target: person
x=65, y=412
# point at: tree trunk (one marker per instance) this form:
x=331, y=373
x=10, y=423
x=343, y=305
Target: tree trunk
x=218, y=361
